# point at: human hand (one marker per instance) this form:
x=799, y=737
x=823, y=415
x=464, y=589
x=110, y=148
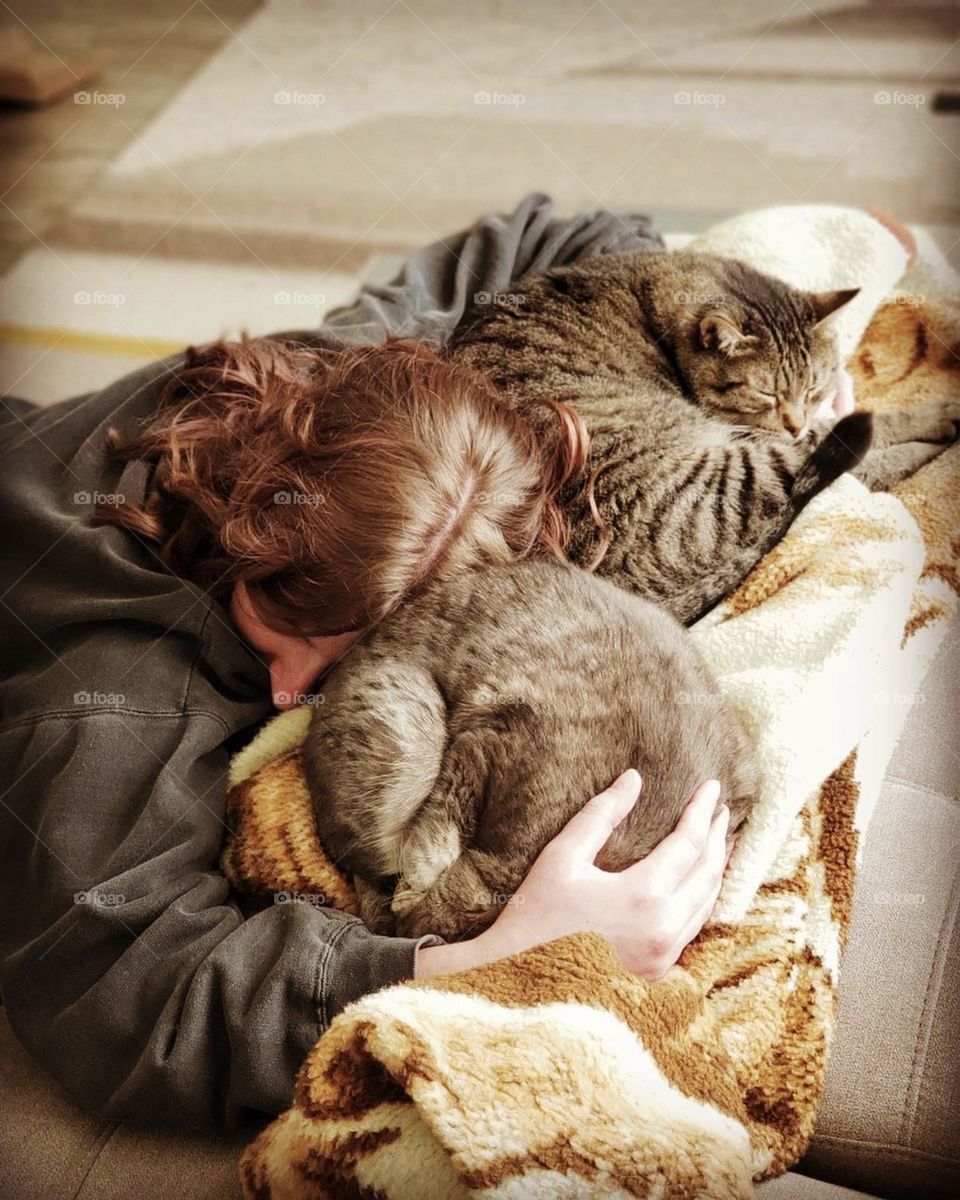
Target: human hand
x=649, y=912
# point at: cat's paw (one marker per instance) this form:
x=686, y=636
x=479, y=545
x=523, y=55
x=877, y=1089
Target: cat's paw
x=374, y=906
x=427, y=850
x=406, y=899
x=882, y=469
x=941, y=418
x=929, y=421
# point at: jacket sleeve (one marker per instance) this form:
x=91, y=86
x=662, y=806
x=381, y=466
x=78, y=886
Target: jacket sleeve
x=127, y=968
x=437, y=284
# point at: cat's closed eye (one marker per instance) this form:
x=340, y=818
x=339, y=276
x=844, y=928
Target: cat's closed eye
x=749, y=400
x=819, y=390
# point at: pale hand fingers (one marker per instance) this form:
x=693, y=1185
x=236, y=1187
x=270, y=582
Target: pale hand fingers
x=697, y=897
x=586, y=833
x=668, y=864
x=699, y=891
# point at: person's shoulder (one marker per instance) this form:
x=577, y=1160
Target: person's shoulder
x=39, y=436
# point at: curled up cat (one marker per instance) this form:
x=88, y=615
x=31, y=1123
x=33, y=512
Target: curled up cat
x=460, y=735
x=705, y=386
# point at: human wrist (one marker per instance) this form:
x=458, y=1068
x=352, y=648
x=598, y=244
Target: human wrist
x=442, y=958
x=448, y=957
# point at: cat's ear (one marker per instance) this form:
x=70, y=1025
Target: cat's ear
x=825, y=304
x=722, y=331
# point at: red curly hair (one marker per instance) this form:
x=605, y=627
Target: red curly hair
x=335, y=483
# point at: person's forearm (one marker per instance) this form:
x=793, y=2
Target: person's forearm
x=448, y=958
x=499, y=941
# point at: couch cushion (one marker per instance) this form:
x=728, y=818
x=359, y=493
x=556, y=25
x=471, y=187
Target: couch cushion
x=793, y=1186
x=890, y=1119
x=51, y=1150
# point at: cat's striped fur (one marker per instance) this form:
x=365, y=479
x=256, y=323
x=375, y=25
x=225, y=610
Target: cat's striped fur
x=696, y=476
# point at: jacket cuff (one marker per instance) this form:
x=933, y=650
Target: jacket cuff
x=361, y=962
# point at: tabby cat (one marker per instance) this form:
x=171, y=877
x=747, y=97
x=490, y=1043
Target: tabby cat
x=461, y=734
x=700, y=380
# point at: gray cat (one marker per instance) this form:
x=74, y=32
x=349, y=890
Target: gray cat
x=458, y=737
x=699, y=380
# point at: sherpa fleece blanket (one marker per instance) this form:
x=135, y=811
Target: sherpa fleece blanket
x=556, y=1073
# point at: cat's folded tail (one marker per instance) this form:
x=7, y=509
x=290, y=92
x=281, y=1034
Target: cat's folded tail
x=841, y=450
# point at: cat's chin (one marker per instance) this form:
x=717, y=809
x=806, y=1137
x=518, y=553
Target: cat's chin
x=741, y=425
x=761, y=431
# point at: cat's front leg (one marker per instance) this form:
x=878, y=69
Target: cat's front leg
x=905, y=439
x=433, y=842
x=883, y=469
x=430, y=845
x=929, y=421
x=460, y=903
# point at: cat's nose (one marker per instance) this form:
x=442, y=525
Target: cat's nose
x=791, y=424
